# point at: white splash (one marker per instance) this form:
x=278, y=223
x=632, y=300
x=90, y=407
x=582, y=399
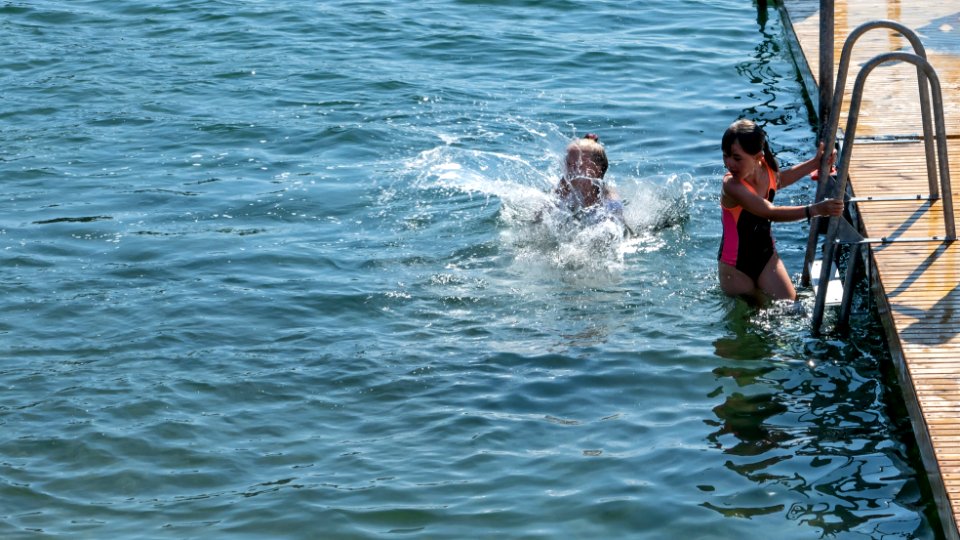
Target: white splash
x=536, y=230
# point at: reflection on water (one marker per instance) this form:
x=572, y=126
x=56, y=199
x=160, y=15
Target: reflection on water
x=821, y=429
x=743, y=417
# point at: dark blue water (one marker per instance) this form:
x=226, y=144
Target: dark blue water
x=269, y=269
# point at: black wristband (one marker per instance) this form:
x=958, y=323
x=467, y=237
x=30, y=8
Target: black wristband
x=806, y=210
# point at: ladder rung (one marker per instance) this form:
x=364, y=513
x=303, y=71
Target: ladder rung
x=894, y=198
x=897, y=240
x=834, y=285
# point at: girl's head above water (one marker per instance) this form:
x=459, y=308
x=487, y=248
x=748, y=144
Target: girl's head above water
x=582, y=185
x=751, y=138
x=586, y=157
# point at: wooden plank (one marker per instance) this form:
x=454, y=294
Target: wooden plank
x=944, y=358
x=914, y=352
x=907, y=265
x=921, y=328
x=932, y=363
x=890, y=105
x=902, y=290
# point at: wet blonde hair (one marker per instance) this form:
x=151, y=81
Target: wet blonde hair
x=586, y=149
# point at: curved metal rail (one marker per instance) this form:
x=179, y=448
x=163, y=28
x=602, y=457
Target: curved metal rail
x=830, y=131
x=930, y=78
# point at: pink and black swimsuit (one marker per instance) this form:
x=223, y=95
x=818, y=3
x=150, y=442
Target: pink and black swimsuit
x=747, y=242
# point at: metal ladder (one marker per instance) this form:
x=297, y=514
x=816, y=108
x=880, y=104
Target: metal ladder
x=839, y=230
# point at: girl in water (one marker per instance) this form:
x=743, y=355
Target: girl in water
x=582, y=190
x=748, y=262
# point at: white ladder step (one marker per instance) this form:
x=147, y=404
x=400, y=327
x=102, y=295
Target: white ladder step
x=834, y=285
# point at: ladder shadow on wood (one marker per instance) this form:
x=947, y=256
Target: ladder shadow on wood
x=928, y=329
x=916, y=274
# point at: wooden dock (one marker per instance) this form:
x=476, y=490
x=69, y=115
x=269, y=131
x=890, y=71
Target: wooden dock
x=917, y=285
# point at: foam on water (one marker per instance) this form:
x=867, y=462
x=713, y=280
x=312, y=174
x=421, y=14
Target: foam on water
x=539, y=233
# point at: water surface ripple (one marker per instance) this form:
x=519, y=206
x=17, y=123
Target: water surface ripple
x=271, y=269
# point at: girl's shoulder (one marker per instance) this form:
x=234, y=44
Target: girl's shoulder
x=728, y=199
x=729, y=183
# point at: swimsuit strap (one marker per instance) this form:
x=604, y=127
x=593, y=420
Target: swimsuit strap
x=771, y=184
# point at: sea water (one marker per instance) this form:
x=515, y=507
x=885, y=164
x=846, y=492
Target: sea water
x=288, y=270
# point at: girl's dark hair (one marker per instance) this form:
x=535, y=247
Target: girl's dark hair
x=752, y=139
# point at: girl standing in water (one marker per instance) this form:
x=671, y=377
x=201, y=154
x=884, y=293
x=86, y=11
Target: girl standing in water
x=748, y=262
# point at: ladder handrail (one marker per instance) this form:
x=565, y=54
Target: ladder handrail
x=845, y=59
x=844, y=168
x=830, y=132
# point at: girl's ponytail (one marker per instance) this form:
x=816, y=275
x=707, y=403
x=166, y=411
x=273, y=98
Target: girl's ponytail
x=768, y=155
